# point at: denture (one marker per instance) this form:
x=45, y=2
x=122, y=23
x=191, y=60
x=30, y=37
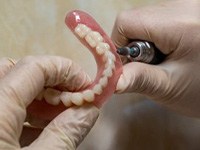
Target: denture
x=109, y=69
x=109, y=66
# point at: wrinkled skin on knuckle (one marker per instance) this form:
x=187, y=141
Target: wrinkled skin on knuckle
x=54, y=69
x=83, y=118
x=75, y=77
x=155, y=87
x=139, y=81
x=118, y=34
x=177, y=85
x=6, y=64
x=126, y=20
x=120, y=20
x=144, y=82
x=28, y=60
x=55, y=73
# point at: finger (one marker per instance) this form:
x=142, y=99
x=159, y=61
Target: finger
x=68, y=129
x=6, y=64
x=118, y=35
x=143, y=78
x=36, y=72
x=129, y=25
x=29, y=134
x=144, y=24
x=23, y=83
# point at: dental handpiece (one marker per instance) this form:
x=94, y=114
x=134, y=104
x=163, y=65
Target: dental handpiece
x=142, y=51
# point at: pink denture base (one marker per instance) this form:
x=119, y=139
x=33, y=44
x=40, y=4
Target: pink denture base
x=76, y=17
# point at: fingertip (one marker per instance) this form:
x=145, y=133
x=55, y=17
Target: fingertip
x=68, y=129
x=121, y=85
x=142, y=78
x=129, y=78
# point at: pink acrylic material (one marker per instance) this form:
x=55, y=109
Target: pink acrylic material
x=76, y=17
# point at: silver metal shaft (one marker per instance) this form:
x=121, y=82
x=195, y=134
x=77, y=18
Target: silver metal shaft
x=141, y=51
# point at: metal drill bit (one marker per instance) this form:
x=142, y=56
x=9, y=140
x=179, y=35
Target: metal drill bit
x=133, y=51
x=123, y=51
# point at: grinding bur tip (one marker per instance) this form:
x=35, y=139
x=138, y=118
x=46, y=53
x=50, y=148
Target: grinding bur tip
x=123, y=51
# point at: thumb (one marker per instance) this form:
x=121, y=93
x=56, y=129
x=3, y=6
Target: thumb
x=67, y=130
x=143, y=78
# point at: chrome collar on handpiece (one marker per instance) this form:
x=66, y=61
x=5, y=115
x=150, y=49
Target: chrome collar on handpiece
x=142, y=51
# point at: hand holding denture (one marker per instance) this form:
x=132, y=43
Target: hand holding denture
x=109, y=67
x=61, y=84
x=20, y=83
x=174, y=28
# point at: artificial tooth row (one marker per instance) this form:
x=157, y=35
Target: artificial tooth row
x=95, y=40
x=54, y=97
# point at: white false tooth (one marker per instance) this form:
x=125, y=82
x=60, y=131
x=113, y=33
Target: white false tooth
x=97, y=89
x=82, y=30
x=52, y=96
x=65, y=97
x=103, y=81
x=77, y=99
x=110, y=63
x=102, y=48
x=107, y=72
x=97, y=36
x=93, y=38
x=109, y=55
x=88, y=95
x=90, y=40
